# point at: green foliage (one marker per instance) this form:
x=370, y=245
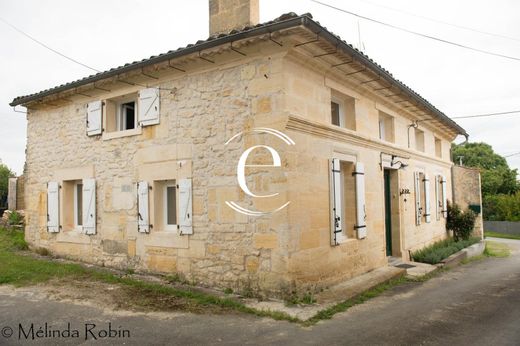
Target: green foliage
x=495, y=249
x=15, y=218
x=5, y=174
x=461, y=223
x=438, y=251
x=502, y=207
x=497, y=177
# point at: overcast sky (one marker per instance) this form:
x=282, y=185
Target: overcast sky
x=108, y=33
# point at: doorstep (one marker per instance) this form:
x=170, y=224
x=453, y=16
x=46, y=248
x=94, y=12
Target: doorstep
x=413, y=269
x=332, y=295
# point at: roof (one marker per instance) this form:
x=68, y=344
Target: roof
x=285, y=21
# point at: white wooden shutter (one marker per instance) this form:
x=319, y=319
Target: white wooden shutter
x=143, y=209
x=444, y=197
x=427, y=206
x=94, y=116
x=53, y=207
x=336, y=229
x=361, y=214
x=148, y=113
x=89, y=206
x=185, y=206
x=418, y=204
x=438, y=199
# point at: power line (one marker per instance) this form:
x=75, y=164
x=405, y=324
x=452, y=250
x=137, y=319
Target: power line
x=485, y=115
x=518, y=153
x=46, y=46
x=418, y=33
x=443, y=22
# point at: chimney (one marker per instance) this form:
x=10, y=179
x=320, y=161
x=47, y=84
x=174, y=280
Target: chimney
x=226, y=15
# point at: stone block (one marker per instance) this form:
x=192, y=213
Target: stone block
x=265, y=240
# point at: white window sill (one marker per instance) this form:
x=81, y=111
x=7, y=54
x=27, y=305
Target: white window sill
x=119, y=134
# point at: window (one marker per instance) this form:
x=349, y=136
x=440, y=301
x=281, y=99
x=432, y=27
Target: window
x=419, y=140
x=78, y=204
x=121, y=113
x=438, y=147
x=170, y=208
x=126, y=116
x=386, y=127
x=343, y=111
x=166, y=202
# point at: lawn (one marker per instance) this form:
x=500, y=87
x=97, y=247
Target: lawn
x=501, y=235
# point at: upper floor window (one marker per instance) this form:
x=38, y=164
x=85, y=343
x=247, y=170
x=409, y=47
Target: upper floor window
x=343, y=111
x=123, y=115
x=386, y=127
x=438, y=147
x=419, y=140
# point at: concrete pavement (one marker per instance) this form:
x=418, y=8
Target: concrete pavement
x=474, y=304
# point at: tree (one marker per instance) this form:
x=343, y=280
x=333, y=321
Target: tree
x=5, y=174
x=497, y=177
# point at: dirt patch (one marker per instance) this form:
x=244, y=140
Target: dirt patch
x=121, y=297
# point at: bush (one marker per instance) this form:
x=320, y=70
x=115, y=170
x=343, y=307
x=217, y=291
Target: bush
x=461, y=223
x=438, y=251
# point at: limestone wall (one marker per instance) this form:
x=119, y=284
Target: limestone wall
x=200, y=110
x=467, y=191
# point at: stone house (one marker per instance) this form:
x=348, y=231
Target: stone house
x=136, y=167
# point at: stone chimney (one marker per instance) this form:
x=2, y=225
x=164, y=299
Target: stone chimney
x=226, y=15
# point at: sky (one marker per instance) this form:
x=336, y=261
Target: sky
x=109, y=33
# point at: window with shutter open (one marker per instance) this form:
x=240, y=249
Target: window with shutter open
x=185, y=207
x=438, y=197
x=53, y=207
x=418, y=204
x=143, y=214
x=361, y=215
x=94, y=118
x=89, y=206
x=149, y=103
x=427, y=207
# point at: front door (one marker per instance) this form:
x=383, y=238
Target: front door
x=388, y=213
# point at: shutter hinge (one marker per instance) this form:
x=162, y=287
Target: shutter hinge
x=358, y=173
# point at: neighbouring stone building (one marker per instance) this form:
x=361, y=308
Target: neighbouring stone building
x=136, y=167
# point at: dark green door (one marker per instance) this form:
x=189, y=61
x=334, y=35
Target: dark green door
x=388, y=213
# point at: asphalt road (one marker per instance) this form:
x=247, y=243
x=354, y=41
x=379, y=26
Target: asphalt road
x=474, y=304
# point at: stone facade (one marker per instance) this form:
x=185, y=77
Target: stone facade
x=467, y=192
x=273, y=86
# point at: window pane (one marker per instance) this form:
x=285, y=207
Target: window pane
x=171, y=206
x=79, y=204
x=334, y=111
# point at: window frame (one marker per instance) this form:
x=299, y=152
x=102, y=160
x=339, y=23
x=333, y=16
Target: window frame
x=121, y=119
x=166, y=225
x=78, y=224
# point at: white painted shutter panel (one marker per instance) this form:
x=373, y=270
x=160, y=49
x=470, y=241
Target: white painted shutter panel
x=427, y=206
x=143, y=211
x=438, y=200
x=94, y=115
x=53, y=207
x=361, y=214
x=336, y=228
x=185, y=206
x=418, y=206
x=89, y=206
x=148, y=113
x=444, y=197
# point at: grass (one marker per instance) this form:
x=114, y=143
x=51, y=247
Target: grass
x=438, y=251
x=496, y=249
x=501, y=235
